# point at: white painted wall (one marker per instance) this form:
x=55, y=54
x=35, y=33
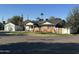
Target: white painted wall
x=30, y=23
x=9, y=27
x=28, y=28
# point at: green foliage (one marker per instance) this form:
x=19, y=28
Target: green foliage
x=16, y=20
x=42, y=14
x=51, y=19
x=61, y=24
x=57, y=21
x=73, y=19
x=1, y=26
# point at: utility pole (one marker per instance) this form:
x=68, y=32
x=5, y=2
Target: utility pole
x=27, y=17
x=21, y=21
x=22, y=17
x=2, y=19
x=3, y=22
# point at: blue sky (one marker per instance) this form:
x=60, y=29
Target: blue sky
x=34, y=10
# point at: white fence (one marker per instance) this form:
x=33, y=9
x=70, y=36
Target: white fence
x=65, y=31
x=62, y=30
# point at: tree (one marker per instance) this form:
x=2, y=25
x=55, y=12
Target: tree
x=58, y=22
x=73, y=19
x=16, y=20
x=42, y=15
x=61, y=24
x=51, y=19
x=47, y=19
x=39, y=19
x=1, y=26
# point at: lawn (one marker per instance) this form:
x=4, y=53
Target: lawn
x=21, y=33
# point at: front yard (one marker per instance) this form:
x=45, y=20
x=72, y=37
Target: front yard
x=30, y=42
x=21, y=33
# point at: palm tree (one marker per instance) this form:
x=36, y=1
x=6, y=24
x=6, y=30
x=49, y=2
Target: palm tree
x=42, y=15
x=38, y=18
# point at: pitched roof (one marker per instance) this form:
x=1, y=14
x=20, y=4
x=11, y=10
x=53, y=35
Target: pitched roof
x=9, y=24
x=47, y=23
x=29, y=23
x=40, y=23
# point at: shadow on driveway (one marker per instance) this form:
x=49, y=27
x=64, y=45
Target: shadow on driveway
x=40, y=48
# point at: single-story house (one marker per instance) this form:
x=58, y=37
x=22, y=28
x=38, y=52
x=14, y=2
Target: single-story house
x=29, y=26
x=12, y=27
x=50, y=27
x=47, y=27
x=9, y=27
x=44, y=26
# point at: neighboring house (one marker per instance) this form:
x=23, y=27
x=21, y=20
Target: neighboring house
x=44, y=26
x=12, y=27
x=29, y=26
x=9, y=27
x=37, y=27
x=50, y=27
x=47, y=27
